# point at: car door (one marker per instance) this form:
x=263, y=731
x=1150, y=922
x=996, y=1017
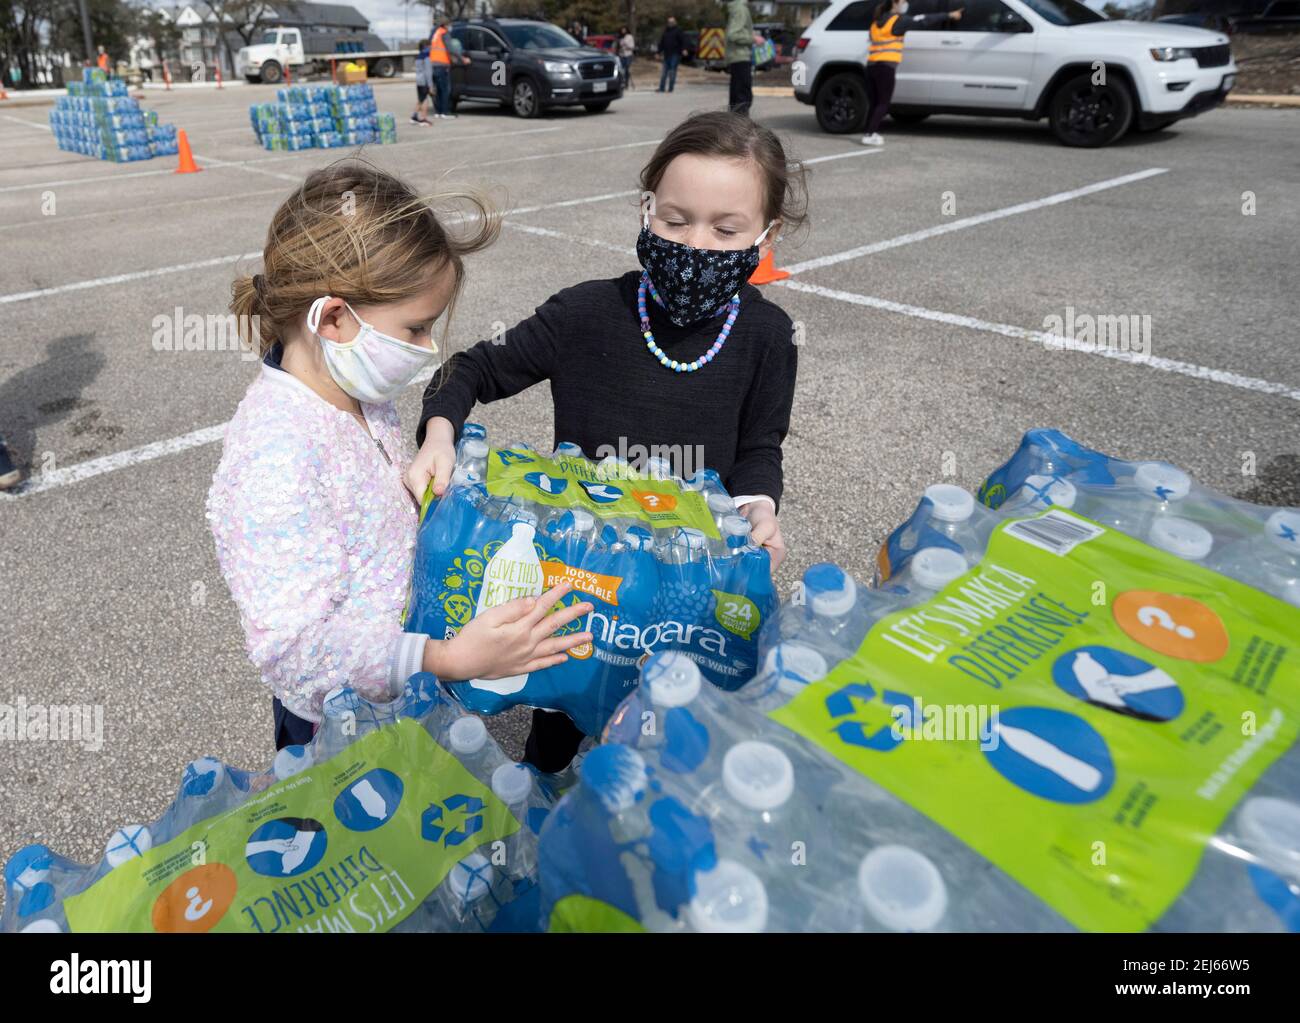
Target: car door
x=913, y=80
x=848, y=35
x=987, y=59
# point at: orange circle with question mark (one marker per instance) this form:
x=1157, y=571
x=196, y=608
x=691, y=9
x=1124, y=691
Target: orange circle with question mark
x=1171, y=624
x=196, y=901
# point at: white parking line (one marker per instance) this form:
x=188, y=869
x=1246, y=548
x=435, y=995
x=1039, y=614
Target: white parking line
x=138, y=275
x=1052, y=341
x=29, y=124
x=965, y=222
x=243, y=164
x=110, y=463
x=65, y=218
x=841, y=156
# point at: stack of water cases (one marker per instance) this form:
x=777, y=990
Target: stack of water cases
x=321, y=117
x=667, y=564
x=401, y=816
x=1037, y=721
x=98, y=118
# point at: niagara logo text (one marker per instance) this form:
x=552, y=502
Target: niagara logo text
x=102, y=977
x=626, y=636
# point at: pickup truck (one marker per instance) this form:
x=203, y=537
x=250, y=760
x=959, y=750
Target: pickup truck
x=281, y=48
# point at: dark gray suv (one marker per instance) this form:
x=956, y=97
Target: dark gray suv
x=529, y=66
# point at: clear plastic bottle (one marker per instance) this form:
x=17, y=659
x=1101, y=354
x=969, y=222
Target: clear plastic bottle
x=1038, y=493
x=1153, y=491
x=929, y=571
x=958, y=517
x=1186, y=539
x=1269, y=560
x=839, y=613
x=515, y=786
x=789, y=668
x=468, y=739
x=729, y=899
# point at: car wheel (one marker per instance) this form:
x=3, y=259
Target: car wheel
x=523, y=98
x=271, y=72
x=898, y=117
x=384, y=67
x=841, y=104
x=598, y=106
x=1088, y=115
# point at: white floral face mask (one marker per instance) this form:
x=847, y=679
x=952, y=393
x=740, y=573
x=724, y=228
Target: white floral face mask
x=373, y=366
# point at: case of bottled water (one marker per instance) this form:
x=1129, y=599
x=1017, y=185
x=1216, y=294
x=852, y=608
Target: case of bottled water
x=667, y=564
x=321, y=117
x=398, y=816
x=1071, y=711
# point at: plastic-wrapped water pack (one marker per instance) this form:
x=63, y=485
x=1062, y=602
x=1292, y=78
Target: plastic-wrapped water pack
x=668, y=564
x=1036, y=722
x=402, y=816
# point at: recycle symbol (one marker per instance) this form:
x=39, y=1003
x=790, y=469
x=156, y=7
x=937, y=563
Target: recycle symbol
x=437, y=828
x=841, y=704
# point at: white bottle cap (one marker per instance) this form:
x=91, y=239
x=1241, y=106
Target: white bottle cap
x=951, y=503
x=729, y=899
x=1046, y=492
x=902, y=889
x=674, y=679
x=1273, y=825
x=1283, y=529
x=290, y=761
x=475, y=448
x=42, y=927
x=583, y=520
x=720, y=504
x=567, y=447
x=471, y=878
x=795, y=665
x=467, y=735
x=618, y=776
x=512, y=783
x=835, y=603
x=757, y=775
x=935, y=567
x=691, y=539
x=735, y=525
x=1183, y=537
x=1162, y=481
x=127, y=843
x=520, y=519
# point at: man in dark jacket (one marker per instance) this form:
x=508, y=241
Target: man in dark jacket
x=672, y=47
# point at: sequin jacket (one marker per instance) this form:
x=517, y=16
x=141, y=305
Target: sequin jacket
x=315, y=535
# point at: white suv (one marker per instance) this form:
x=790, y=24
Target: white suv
x=1092, y=78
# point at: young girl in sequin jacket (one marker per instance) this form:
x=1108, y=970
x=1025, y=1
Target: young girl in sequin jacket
x=314, y=527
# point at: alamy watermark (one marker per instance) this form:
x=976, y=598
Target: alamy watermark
x=41, y=722
x=1088, y=332
x=179, y=331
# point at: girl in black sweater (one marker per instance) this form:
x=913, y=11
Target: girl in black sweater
x=683, y=358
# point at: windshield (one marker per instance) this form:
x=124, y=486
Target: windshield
x=538, y=37
x=268, y=37
x=1064, y=12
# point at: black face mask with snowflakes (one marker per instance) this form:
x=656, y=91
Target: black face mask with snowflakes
x=694, y=284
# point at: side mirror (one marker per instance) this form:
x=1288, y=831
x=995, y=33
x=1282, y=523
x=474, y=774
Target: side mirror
x=494, y=50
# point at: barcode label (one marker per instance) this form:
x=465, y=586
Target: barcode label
x=1054, y=531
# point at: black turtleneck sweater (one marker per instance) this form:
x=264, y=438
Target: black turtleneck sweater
x=610, y=392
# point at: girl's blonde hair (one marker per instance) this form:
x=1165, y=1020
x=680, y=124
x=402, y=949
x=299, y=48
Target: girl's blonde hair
x=359, y=233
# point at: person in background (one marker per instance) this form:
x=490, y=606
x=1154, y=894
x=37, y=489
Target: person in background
x=10, y=474
x=626, y=51
x=740, y=56
x=672, y=48
x=146, y=67
x=440, y=61
x=888, y=26
x=423, y=81
x=102, y=60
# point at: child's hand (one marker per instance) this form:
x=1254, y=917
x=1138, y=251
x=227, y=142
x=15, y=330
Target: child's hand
x=510, y=639
x=764, y=530
x=435, y=460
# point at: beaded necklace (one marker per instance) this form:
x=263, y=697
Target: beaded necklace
x=732, y=307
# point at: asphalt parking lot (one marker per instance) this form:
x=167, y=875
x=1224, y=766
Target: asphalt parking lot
x=922, y=282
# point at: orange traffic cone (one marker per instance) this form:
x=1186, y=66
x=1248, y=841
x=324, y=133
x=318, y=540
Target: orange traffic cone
x=767, y=271
x=187, y=165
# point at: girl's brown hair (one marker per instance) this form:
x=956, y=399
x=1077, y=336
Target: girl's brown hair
x=356, y=232
x=734, y=136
